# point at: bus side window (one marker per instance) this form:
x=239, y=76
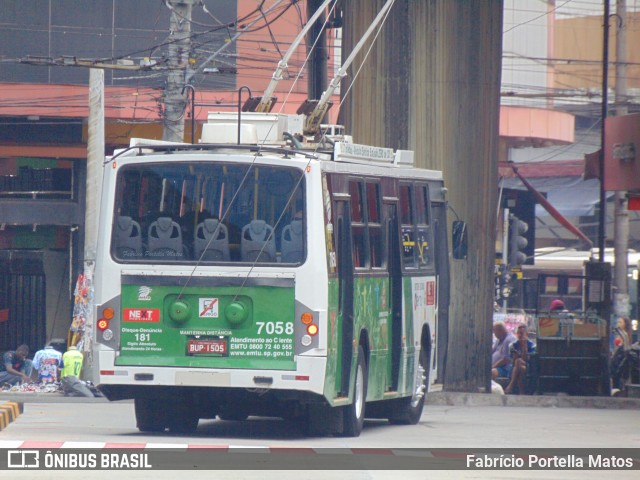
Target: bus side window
x=358, y=227
x=408, y=230
x=424, y=233
x=374, y=226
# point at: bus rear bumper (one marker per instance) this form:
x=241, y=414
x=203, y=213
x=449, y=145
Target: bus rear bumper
x=308, y=376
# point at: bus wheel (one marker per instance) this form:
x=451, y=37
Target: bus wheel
x=150, y=415
x=183, y=420
x=407, y=411
x=187, y=423
x=353, y=415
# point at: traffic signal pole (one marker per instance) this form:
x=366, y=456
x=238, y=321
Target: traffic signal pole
x=517, y=243
x=505, y=252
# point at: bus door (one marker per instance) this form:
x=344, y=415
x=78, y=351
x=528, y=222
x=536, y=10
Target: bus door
x=439, y=213
x=342, y=209
x=395, y=292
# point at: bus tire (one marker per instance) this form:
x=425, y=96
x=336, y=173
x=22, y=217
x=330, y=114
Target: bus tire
x=184, y=423
x=150, y=415
x=353, y=414
x=408, y=411
x=183, y=420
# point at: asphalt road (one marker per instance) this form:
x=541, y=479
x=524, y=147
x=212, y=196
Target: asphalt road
x=440, y=427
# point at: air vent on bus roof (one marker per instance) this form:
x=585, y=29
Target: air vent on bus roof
x=257, y=127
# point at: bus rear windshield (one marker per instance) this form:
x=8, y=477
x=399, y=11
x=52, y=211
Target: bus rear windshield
x=209, y=213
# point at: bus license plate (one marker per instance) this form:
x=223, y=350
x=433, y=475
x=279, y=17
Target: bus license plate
x=207, y=347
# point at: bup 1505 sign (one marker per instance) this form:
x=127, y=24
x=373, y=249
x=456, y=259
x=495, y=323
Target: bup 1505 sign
x=207, y=347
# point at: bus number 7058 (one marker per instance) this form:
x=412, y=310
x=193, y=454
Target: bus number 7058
x=277, y=328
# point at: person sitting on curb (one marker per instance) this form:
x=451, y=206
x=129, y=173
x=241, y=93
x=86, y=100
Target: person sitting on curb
x=521, y=351
x=16, y=367
x=72, y=386
x=500, y=359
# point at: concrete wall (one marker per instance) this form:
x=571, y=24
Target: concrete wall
x=431, y=84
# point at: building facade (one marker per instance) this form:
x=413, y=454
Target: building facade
x=46, y=50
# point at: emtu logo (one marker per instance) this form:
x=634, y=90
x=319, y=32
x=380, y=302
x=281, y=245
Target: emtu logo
x=23, y=459
x=144, y=294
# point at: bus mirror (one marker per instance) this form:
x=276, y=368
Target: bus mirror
x=459, y=236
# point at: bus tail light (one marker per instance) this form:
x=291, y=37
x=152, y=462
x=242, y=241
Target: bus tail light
x=103, y=324
x=306, y=318
x=106, y=315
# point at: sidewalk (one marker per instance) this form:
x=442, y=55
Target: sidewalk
x=552, y=401
x=32, y=397
x=433, y=398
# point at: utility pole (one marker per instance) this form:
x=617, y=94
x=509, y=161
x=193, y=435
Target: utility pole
x=621, y=212
x=175, y=101
x=317, y=81
x=436, y=106
x=95, y=160
x=602, y=211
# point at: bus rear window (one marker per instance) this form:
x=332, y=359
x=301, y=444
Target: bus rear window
x=209, y=212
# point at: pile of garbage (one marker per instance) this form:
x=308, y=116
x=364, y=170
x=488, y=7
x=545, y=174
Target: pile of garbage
x=32, y=388
x=72, y=388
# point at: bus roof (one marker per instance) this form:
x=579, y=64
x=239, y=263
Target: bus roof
x=345, y=157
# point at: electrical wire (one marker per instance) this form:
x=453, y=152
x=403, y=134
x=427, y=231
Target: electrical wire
x=273, y=38
x=242, y=182
x=538, y=17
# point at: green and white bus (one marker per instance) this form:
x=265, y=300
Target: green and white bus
x=237, y=280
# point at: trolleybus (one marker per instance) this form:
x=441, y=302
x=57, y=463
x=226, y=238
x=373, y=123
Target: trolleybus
x=241, y=279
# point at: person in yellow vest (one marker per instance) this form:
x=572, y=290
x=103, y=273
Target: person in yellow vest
x=69, y=376
x=72, y=362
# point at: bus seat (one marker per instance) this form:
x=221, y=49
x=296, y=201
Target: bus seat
x=128, y=239
x=214, y=248
x=257, y=242
x=291, y=242
x=165, y=238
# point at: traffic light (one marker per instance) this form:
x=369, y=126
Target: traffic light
x=517, y=242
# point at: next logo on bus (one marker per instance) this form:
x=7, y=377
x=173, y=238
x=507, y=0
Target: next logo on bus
x=141, y=315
